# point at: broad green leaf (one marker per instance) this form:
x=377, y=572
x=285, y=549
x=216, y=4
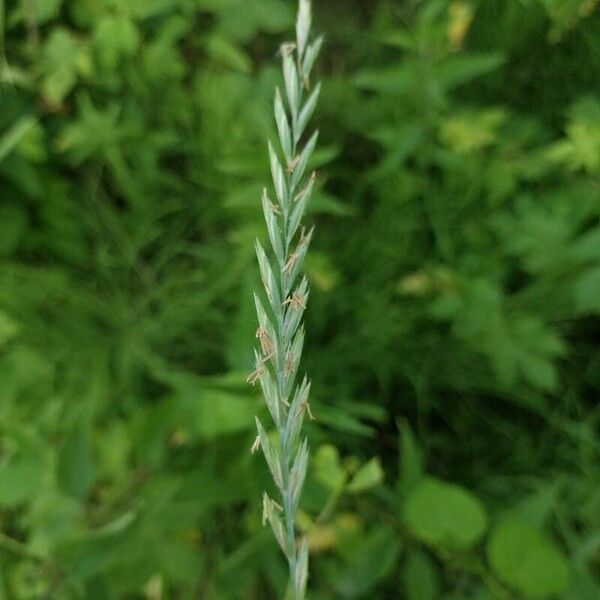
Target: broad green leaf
x=216, y=412
x=527, y=560
x=444, y=514
x=367, y=477
x=328, y=468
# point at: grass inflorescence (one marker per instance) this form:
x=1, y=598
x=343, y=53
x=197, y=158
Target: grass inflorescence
x=280, y=331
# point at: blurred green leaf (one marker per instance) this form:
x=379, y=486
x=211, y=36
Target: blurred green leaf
x=581, y=148
x=224, y=52
x=516, y=345
x=524, y=558
x=444, y=515
x=468, y=132
x=207, y=413
x=115, y=37
x=583, y=585
x=420, y=580
x=75, y=468
x=372, y=562
x=458, y=70
x=587, y=291
x=20, y=477
x=63, y=61
x=410, y=464
x=328, y=468
x=95, y=550
x=13, y=223
x=8, y=328
x=15, y=134
x=369, y=475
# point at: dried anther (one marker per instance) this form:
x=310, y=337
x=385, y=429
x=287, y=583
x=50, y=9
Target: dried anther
x=289, y=265
x=306, y=407
x=260, y=369
x=269, y=504
x=265, y=341
x=255, y=445
x=291, y=166
x=255, y=375
x=296, y=301
x=276, y=210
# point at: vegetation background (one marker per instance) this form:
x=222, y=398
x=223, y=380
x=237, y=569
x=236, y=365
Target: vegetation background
x=453, y=323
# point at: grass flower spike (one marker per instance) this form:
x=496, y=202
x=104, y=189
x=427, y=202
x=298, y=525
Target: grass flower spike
x=280, y=331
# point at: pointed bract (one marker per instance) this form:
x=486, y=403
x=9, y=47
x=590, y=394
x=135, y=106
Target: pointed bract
x=306, y=112
x=283, y=127
x=311, y=55
x=301, y=575
x=303, y=161
x=303, y=22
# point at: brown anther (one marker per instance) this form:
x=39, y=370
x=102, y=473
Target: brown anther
x=289, y=265
x=260, y=369
x=265, y=341
x=291, y=166
x=306, y=407
x=296, y=301
x=255, y=375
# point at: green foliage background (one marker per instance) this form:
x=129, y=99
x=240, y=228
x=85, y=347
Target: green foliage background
x=453, y=322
